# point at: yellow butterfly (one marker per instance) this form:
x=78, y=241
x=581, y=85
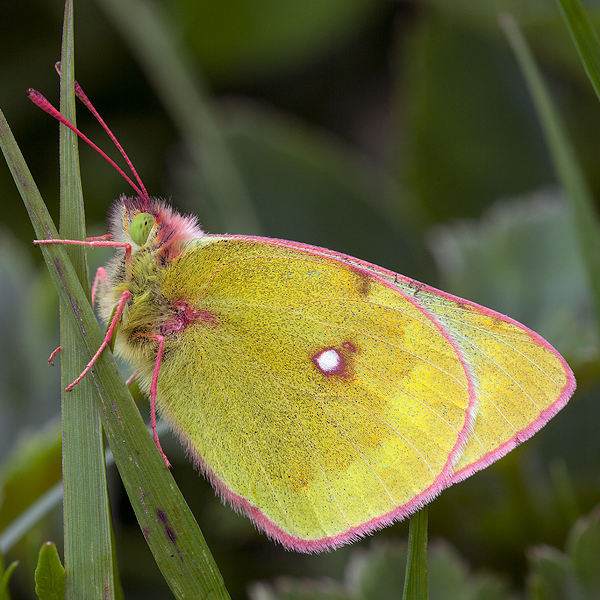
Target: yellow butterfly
x=323, y=396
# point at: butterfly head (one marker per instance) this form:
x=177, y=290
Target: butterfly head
x=151, y=223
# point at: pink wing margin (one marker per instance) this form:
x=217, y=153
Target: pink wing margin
x=544, y=416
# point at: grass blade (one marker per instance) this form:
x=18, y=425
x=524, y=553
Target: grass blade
x=5, y=576
x=30, y=517
x=87, y=521
x=584, y=37
x=567, y=168
x=415, y=582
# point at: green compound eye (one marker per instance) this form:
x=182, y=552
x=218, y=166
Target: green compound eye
x=140, y=227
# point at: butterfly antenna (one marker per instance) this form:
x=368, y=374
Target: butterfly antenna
x=83, y=97
x=40, y=101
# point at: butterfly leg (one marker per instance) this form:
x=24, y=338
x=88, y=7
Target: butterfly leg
x=153, y=386
x=53, y=355
x=131, y=379
x=95, y=238
x=99, y=280
x=107, y=339
x=92, y=243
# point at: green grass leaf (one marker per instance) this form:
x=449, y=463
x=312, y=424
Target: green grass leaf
x=584, y=37
x=86, y=513
x=5, y=579
x=415, y=583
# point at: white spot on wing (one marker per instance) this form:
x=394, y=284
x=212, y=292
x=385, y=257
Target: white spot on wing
x=328, y=360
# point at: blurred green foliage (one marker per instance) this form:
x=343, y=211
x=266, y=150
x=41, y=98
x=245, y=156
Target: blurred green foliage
x=376, y=573
x=399, y=132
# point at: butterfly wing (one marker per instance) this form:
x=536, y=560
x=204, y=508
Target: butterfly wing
x=320, y=399
x=520, y=380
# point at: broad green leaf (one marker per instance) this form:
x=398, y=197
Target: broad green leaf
x=376, y=572
x=49, y=574
x=522, y=259
x=549, y=577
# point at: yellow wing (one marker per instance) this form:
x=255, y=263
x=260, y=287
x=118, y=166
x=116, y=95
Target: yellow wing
x=520, y=380
x=317, y=397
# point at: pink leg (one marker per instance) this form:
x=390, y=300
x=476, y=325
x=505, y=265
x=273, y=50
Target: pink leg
x=93, y=243
x=97, y=238
x=161, y=343
x=107, y=338
x=100, y=278
x=53, y=355
x=131, y=379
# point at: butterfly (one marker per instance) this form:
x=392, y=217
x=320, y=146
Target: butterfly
x=323, y=396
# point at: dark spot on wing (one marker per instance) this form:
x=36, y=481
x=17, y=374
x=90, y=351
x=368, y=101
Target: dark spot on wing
x=362, y=281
